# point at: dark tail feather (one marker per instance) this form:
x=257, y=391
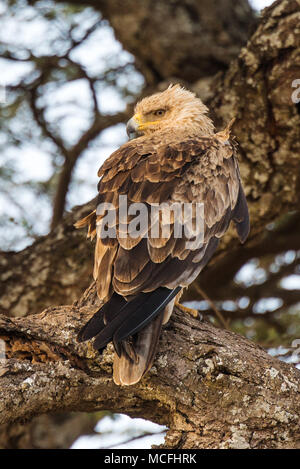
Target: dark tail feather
x=98, y=321
x=134, y=327
x=148, y=310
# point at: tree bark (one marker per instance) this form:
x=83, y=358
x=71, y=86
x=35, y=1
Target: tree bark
x=257, y=90
x=202, y=36
x=214, y=389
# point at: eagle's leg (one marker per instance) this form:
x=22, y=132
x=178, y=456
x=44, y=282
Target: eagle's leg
x=185, y=309
x=192, y=312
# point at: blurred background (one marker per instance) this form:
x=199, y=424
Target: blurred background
x=67, y=89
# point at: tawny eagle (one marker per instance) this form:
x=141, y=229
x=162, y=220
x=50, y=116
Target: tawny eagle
x=175, y=157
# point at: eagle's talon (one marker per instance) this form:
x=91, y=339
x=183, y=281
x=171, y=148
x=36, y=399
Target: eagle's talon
x=185, y=309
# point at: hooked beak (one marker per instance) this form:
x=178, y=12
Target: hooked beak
x=132, y=127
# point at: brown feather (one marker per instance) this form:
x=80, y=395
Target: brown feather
x=104, y=275
x=86, y=220
x=129, y=263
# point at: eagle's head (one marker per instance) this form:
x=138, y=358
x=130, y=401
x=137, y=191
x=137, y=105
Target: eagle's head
x=173, y=109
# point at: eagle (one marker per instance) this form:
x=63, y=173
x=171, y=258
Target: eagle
x=142, y=264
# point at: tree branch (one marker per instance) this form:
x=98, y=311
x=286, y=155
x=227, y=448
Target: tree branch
x=55, y=431
x=215, y=389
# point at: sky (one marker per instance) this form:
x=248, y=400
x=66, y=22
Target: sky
x=260, y=4
x=117, y=431
x=69, y=109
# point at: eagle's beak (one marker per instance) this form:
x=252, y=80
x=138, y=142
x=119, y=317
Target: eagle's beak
x=132, y=127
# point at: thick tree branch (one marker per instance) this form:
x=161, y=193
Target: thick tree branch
x=211, y=35
x=55, y=431
x=214, y=389
x=257, y=90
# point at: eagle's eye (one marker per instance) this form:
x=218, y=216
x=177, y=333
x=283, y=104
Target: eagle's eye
x=159, y=112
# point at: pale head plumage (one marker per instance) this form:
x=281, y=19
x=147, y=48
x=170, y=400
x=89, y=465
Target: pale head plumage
x=175, y=109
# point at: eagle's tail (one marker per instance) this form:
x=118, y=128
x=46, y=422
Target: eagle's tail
x=134, y=327
x=137, y=354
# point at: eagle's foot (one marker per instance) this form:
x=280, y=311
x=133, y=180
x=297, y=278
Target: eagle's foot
x=192, y=312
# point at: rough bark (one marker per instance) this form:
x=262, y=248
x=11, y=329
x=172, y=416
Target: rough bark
x=257, y=91
x=215, y=389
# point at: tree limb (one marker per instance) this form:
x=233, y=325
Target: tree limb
x=100, y=123
x=215, y=389
x=55, y=431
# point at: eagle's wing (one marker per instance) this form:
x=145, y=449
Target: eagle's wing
x=195, y=171
x=149, y=267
